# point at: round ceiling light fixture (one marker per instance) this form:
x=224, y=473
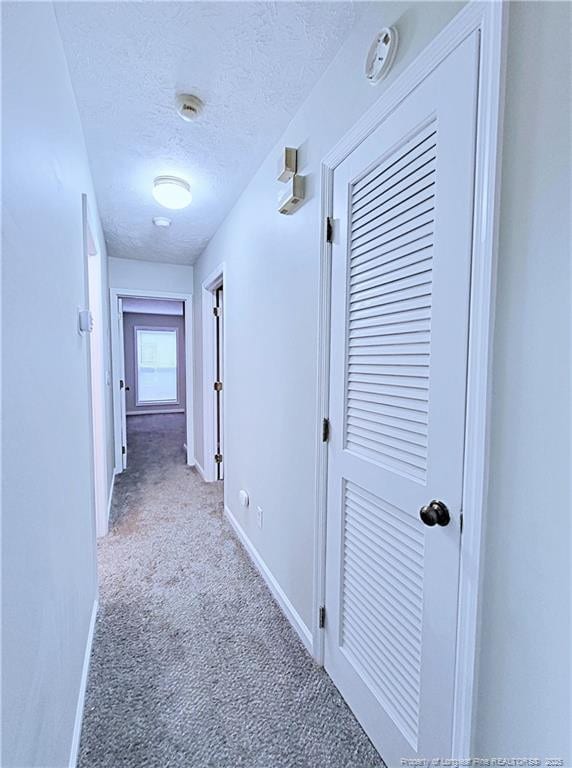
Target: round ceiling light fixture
x=172, y=192
x=161, y=221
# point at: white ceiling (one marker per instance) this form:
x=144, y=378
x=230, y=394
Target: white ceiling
x=252, y=63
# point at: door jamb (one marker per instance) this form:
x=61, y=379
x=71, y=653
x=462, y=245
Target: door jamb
x=208, y=287
x=187, y=299
x=490, y=20
x=96, y=355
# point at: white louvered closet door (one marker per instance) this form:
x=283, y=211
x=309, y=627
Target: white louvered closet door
x=400, y=303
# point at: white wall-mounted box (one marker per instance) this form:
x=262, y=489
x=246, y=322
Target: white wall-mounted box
x=288, y=164
x=293, y=197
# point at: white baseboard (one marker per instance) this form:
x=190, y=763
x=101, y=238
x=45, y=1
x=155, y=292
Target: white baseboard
x=110, y=497
x=74, y=751
x=200, y=470
x=277, y=592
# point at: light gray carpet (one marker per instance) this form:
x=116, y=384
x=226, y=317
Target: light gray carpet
x=194, y=664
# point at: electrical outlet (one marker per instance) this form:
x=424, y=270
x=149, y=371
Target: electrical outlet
x=259, y=516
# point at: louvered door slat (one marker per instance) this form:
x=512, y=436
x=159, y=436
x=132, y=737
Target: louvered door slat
x=413, y=446
x=378, y=256
x=390, y=377
x=383, y=585
x=411, y=154
x=397, y=274
x=412, y=198
x=397, y=633
x=385, y=183
x=418, y=295
x=390, y=388
x=393, y=233
x=395, y=206
x=390, y=266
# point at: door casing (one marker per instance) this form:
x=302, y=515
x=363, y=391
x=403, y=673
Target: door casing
x=491, y=21
x=96, y=354
x=208, y=289
x=117, y=364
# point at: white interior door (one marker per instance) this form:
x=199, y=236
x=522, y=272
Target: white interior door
x=400, y=302
x=122, y=383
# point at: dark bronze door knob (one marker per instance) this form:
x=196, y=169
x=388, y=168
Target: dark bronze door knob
x=435, y=513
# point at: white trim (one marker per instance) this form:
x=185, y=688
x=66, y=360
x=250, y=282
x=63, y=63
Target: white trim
x=115, y=294
x=276, y=590
x=323, y=407
x=201, y=471
x=96, y=354
x=494, y=31
x=109, y=501
x=208, y=286
x=74, y=750
x=490, y=19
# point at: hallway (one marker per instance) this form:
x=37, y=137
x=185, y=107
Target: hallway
x=318, y=251
x=193, y=662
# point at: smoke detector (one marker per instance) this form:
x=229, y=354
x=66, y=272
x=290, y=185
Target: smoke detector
x=381, y=55
x=188, y=106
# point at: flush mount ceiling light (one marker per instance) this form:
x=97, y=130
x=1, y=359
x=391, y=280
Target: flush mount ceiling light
x=172, y=192
x=161, y=221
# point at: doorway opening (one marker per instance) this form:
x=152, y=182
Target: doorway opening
x=151, y=350
x=213, y=345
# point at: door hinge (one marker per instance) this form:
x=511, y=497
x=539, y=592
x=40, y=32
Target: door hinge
x=461, y=522
x=322, y=617
x=218, y=458
x=121, y=383
x=329, y=229
x=123, y=450
x=325, y=430
x=218, y=386
x=217, y=311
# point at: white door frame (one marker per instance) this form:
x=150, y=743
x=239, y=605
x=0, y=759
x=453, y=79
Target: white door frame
x=115, y=294
x=490, y=20
x=96, y=355
x=208, y=288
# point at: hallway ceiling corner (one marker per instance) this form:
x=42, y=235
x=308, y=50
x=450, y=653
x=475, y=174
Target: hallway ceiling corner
x=252, y=63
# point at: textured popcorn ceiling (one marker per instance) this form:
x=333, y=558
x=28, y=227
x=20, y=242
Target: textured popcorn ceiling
x=252, y=64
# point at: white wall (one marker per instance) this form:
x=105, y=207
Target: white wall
x=48, y=539
x=271, y=293
x=135, y=274
x=524, y=705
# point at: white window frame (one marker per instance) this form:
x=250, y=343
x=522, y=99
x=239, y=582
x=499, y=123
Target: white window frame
x=489, y=19
x=143, y=403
